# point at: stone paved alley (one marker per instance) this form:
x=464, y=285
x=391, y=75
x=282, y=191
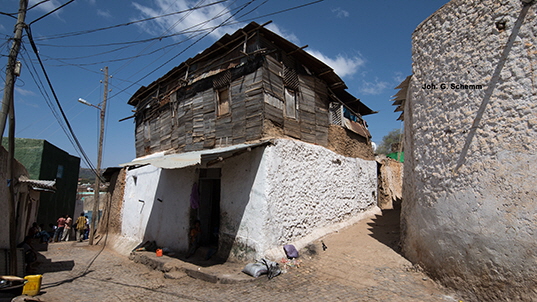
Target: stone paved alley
x=359, y=264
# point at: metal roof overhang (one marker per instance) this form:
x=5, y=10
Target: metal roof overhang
x=39, y=185
x=182, y=160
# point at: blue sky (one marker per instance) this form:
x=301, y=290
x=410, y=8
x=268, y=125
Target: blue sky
x=366, y=42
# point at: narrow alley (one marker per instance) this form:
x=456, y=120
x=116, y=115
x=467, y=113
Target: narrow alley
x=360, y=263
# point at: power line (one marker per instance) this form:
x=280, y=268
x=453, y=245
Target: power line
x=51, y=12
x=46, y=97
x=191, y=45
x=76, y=143
x=9, y=15
x=37, y=4
x=77, y=33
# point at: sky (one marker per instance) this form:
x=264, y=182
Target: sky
x=367, y=43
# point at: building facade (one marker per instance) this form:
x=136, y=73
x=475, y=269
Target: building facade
x=47, y=162
x=257, y=140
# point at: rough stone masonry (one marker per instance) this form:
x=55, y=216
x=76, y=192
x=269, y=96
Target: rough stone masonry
x=470, y=199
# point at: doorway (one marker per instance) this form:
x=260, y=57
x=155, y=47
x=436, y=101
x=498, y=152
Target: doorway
x=209, y=206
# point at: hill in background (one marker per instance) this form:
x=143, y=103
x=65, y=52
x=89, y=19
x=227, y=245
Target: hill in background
x=86, y=176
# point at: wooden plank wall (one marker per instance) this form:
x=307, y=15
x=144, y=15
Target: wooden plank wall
x=191, y=124
x=311, y=124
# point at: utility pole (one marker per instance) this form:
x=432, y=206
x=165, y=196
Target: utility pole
x=95, y=213
x=8, y=108
x=10, y=69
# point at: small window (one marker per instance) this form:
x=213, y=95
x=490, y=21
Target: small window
x=59, y=172
x=223, y=101
x=290, y=103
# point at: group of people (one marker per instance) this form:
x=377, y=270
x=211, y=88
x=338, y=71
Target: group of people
x=62, y=230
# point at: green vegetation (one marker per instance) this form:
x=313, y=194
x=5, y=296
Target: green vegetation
x=393, y=137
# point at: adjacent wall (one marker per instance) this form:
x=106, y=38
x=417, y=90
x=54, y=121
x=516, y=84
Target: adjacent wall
x=470, y=196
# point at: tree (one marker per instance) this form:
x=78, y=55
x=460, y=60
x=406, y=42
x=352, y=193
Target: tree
x=393, y=137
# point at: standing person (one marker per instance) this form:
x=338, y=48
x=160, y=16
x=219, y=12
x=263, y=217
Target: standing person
x=195, y=237
x=59, y=230
x=87, y=230
x=67, y=229
x=80, y=225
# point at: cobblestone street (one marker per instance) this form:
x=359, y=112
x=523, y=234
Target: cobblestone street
x=359, y=264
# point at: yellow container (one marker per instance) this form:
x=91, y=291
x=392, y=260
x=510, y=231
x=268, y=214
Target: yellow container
x=33, y=286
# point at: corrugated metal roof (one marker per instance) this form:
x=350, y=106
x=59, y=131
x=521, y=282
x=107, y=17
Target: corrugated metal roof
x=182, y=160
x=39, y=185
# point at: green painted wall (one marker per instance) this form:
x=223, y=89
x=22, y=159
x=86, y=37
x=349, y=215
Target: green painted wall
x=45, y=161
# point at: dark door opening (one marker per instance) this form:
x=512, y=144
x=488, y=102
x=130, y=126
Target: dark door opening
x=209, y=207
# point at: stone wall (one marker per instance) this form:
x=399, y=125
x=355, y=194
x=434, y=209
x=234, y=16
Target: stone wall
x=390, y=183
x=471, y=128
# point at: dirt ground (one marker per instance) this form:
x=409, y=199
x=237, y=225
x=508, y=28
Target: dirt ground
x=367, y=255
x=360, y=263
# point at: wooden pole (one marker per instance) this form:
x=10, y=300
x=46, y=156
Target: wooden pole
x=8, y=109
x=95, y=213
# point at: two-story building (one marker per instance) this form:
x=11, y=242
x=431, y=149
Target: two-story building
x=255, y=138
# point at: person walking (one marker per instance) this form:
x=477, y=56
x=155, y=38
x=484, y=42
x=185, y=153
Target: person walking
x=67, y=229
x=80, y=227
x=59, y=230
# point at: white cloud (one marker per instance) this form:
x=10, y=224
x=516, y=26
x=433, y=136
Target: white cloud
x=103, y=13
x=24, y=92
x=340, y=13
x=376, y=87
x=204, y=18
x=45, y=6
x=342, y=65
x=283, y=33
x=398, y=77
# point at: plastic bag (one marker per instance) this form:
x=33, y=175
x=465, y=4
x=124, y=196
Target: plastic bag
x=290, y=251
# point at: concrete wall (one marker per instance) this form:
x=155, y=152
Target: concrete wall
x=166, y=221
x=27, y=200
x=469, y=193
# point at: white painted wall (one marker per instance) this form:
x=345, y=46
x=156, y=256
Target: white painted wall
x=469, y=217
x=287, y=193
x=299, y=193
x=165, y=222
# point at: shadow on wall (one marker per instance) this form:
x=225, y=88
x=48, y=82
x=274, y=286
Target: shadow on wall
x=240, y=175
x=167, y=222
x=386, y=229
x=172, y=216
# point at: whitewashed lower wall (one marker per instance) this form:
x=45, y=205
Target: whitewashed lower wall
x=287, y=193
x=166, y=221
x=299, y=193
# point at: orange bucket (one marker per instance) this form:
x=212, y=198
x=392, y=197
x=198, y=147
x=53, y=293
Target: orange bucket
x=159, y=252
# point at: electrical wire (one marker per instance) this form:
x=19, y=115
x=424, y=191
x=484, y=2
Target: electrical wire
x=223, y=12
x=51, y=12
x=200, y=3
x=37, y=4
x=78, y=33
x=71, y=134
x=9, y=15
